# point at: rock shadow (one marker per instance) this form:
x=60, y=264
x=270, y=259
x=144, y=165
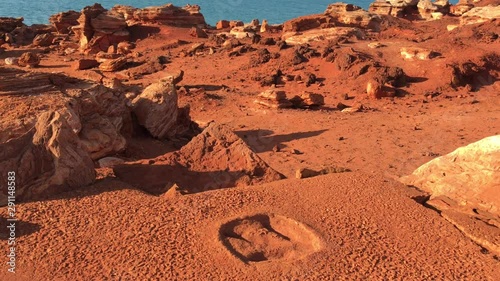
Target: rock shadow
x=262, y=140
x=158, y=179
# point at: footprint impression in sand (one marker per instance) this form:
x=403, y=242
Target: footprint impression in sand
x=268, y=237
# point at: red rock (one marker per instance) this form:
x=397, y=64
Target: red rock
x=198, y=32
x=47, y=160
x=9, y=24
x=85, y=64
x=222, y=24
x=64, y=21
x=29, y=59
x=113, y=65
x=43, y=40
x=157, y=110
x=235, y=23
x=169, y=14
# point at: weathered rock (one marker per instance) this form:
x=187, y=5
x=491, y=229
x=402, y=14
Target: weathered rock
x=29, y=59
x=308, y=99
x=241, y=32
x=113, y=64
x=169, y=14
x=396, y=8
x=82, y=64
x=222, y=24
x=299, y=38
x=264, y=27
x=461, y=7
x=47, y=160
x=198, y=32
x=98, y=29
x=374, y=89
x=469, y=175
x=307, y=23
x=126, y=11
x=236, y=23
x=125, y=47
x=156, y=109
x=100, y=136
x=8, y=25
x=43, y=40
x=63, y=22
x=104, y=56
x=411, y=53
x=428, y=10
x=480, y=15
x=273, y=98
x=353, y=16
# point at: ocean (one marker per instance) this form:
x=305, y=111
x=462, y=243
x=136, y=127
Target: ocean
x=275, y=11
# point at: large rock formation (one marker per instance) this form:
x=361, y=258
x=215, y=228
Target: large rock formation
x=63, y=22
x=469, y=175
x=396, y=8
x=96, y=113
x=98, y=29
x=48, y=159
x=336, y=15
x=169, y=14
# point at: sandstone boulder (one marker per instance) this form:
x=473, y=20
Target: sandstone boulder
x=82, y=64
x=47, y=160
x=156, y=109
x=113, y=64
x=469, y=175
x=308, y=99
x=100, y=135
x=273, y=98
x=43, y=40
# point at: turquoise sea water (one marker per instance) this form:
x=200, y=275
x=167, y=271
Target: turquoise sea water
x=275, y=11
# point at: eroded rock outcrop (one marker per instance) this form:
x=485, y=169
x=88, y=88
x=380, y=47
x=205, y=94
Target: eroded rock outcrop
x=99, y=29
x=63, y=22
x=169, y=14
x=9, y=24
x=47, y=160
x=96, y=113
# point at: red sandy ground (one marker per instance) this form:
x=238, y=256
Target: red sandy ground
x=368, y=225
